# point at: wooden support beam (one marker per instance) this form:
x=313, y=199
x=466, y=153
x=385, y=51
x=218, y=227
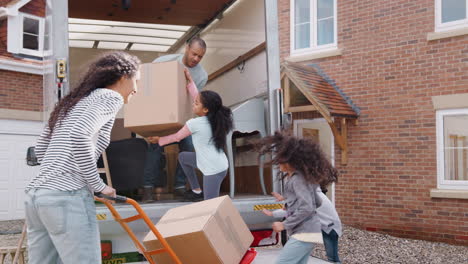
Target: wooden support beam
x=286, y=94
x=341, y=139
x=337, y=135
x=282, y=75
x=249, y=54
x=344, y=136
x=303, y=108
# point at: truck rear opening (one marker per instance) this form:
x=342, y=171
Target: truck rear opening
x=243, y=65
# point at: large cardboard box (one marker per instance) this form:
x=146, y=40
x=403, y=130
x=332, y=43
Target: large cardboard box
x=162, y=104
x=210, y=232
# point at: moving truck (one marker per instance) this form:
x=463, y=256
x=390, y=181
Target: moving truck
x=242, y=61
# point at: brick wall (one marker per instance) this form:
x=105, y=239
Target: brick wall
x=3, y=37
x=4, y=2
x=390, y=70
x=20, y=91
x=35, y=7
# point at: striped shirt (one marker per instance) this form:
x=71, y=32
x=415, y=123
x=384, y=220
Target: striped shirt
x=68, y=157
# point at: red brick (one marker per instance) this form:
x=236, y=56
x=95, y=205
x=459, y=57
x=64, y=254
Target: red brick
x=390, y=70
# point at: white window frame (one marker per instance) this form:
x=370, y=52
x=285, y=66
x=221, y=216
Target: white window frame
x=314, y=48
x=442, y=183
x=440, y=27
x=40, y=51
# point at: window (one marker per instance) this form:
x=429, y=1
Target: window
x=451, y=14
x=452, y=149
x=32, y=35
x=313, y=25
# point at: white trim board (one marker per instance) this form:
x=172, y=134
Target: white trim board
x=21, y=127
x=11, y=65
x=14, y=114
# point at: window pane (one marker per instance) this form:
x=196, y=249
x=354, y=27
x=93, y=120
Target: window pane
x=30, y=42
x=301, y=24
x=302, y=11
x=31, y=26
x=453, y=10
x=302, y=34
x=324, y=8
x=456, y=147
x=325, y=34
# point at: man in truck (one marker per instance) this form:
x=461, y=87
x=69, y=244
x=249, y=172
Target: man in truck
x=154, y=174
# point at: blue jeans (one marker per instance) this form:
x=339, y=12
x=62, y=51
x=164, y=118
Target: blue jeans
x=154, y=174
x=62, y=226
x=331, y=245
x=295, y=252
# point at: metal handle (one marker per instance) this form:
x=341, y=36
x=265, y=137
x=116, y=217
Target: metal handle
x=117, y=198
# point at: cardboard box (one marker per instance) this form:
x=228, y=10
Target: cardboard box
x=162, y=104
x=210, y=231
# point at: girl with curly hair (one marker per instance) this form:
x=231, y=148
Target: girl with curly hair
x=303, y=168
x=59, y=204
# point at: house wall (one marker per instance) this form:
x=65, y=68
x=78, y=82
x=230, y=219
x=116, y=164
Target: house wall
x=18, y=90
x=390, y=71
x=20, y=119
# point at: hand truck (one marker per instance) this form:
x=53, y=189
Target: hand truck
x=247, y=259
x=141, y=215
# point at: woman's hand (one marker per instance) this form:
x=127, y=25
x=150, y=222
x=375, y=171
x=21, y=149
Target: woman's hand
x=188, y=77
x=278, y=196
x=109, y=191
x=278, y=227
x=153, y=140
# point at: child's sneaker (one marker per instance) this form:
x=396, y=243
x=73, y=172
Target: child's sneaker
x=190, y=196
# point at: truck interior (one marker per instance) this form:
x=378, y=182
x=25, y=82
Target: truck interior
x=149, y=29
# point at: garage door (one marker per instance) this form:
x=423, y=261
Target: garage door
x=15, y=137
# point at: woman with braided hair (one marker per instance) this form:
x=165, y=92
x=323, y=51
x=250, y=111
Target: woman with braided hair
x=59, y=204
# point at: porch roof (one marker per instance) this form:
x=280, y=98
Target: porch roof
x=320, y=90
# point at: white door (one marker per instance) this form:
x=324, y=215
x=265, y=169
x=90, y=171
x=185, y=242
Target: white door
x=318, y=129
x=15, y=137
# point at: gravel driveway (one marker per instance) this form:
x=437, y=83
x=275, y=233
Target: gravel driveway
x=356, y=246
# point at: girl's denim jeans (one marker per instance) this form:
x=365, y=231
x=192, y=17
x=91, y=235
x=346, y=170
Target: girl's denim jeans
x=331, y=246
x=295, y=252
